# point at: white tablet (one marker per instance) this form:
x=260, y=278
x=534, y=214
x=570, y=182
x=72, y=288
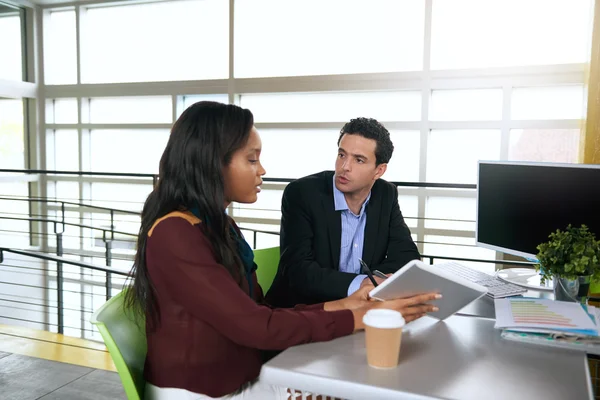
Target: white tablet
x=417, y=277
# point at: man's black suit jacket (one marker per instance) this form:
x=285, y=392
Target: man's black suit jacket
x=311, y=232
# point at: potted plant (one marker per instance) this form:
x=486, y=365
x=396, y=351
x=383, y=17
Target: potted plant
x=572, y=259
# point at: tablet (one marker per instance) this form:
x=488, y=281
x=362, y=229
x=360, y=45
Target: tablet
x=417, y=277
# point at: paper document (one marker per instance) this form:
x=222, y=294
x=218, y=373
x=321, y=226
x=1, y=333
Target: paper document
x=542, y=315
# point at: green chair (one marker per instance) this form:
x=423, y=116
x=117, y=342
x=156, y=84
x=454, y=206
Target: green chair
x=267, y=261
x=126, y=343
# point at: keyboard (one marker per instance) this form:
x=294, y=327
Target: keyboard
x=496, y=288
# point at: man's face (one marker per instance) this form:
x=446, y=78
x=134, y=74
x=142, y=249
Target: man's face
x=355, y=167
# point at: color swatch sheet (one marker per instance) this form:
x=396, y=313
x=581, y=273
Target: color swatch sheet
x=542, y=315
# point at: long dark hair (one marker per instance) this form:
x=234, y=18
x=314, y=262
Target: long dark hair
x=201, y=143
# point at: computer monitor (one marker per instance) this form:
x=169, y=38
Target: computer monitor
x=519, y=204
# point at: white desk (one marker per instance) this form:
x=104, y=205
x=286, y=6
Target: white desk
x=461, y=358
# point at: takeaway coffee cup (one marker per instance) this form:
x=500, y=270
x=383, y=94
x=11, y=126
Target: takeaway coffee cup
x=383, y=332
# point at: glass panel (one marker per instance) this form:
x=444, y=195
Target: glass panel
x=404, y=164
x=548, y=145
x=131, y=110
x=72, y=234
x=409, y=207
x=263, y=240
x=452, y=155
x=333, y=107
x=290, y=153
x=68, y=191
x=14, y=233
x=497, y=33
x=11, y=67
x=106, y=157
x=188, y=100
x=560, y=102
x=466, y=105
x=12, y=138
x=66, y=150
x=60, y=48
x=451, y=246
x=319, y=37
x=61, y=111
x=112, y=195
x=192, y=42
x=267, y=206
x=454, y=213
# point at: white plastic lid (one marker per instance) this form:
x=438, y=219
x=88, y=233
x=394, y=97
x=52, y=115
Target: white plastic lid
x=382, y=318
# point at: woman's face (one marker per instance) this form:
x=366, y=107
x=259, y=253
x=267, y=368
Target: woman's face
x=244, y=172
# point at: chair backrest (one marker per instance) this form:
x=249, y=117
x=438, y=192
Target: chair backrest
x=267, y=261
x=124, y=335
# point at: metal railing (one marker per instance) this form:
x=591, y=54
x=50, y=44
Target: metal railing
x=108, y=232
x=60, y=261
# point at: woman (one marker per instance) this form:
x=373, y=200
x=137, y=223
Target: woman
x=194, y=275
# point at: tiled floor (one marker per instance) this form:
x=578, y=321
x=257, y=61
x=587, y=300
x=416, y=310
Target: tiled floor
x=29, y=378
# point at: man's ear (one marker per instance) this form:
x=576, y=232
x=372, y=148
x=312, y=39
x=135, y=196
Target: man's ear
x=380, y=170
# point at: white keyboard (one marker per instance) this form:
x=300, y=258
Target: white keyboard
x=496, y=288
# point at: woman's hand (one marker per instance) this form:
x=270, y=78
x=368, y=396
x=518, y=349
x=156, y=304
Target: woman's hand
x=411, y=308
x=358, y=299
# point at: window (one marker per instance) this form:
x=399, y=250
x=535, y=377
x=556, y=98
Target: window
x=547, y=145
x=188, y=100
x=267, y=206
x=466, y=105
x=63, y=150
x=128, y=156
x=156, y=109
x=275, y=38
x=14, y=233
x=12, y=136
x=131, y=197
x=409, y=207
x=191, y=43
x=559, y=102
x=439, y=212
x=333, y=107
x=501, y=33
x=11, y=67
x=453, y=154
x=60, y=48
x=61, y=111
x=296, y=153
x=404, y=164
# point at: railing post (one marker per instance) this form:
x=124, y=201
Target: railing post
x=431, y=260
x=1, y=256
x=254, y=236
x=112, y=224
x=108, y=256
x=59, y=280
x=62, y=209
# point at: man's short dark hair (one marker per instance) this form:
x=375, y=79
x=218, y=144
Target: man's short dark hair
x=371, y=129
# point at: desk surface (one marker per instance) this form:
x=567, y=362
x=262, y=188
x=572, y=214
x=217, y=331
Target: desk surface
x=460, y=358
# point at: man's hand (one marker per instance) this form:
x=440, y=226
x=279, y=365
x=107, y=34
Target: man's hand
x=367, y=282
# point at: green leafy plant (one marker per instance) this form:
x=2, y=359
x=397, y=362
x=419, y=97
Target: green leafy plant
x=569, y=254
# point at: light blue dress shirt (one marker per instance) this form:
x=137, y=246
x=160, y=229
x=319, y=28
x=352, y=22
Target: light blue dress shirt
x=353, y=237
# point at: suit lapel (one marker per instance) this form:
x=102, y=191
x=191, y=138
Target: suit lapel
x=334, y=222
x=373, y=211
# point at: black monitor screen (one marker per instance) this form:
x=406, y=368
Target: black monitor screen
x=519, y=205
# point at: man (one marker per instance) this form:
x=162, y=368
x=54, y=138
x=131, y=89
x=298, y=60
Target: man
x=330, y=220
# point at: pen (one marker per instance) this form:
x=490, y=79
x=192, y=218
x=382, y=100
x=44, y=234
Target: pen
x=366, y=269
x=379, y=274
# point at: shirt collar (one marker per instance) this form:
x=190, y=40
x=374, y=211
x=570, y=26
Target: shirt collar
x=340, y=203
